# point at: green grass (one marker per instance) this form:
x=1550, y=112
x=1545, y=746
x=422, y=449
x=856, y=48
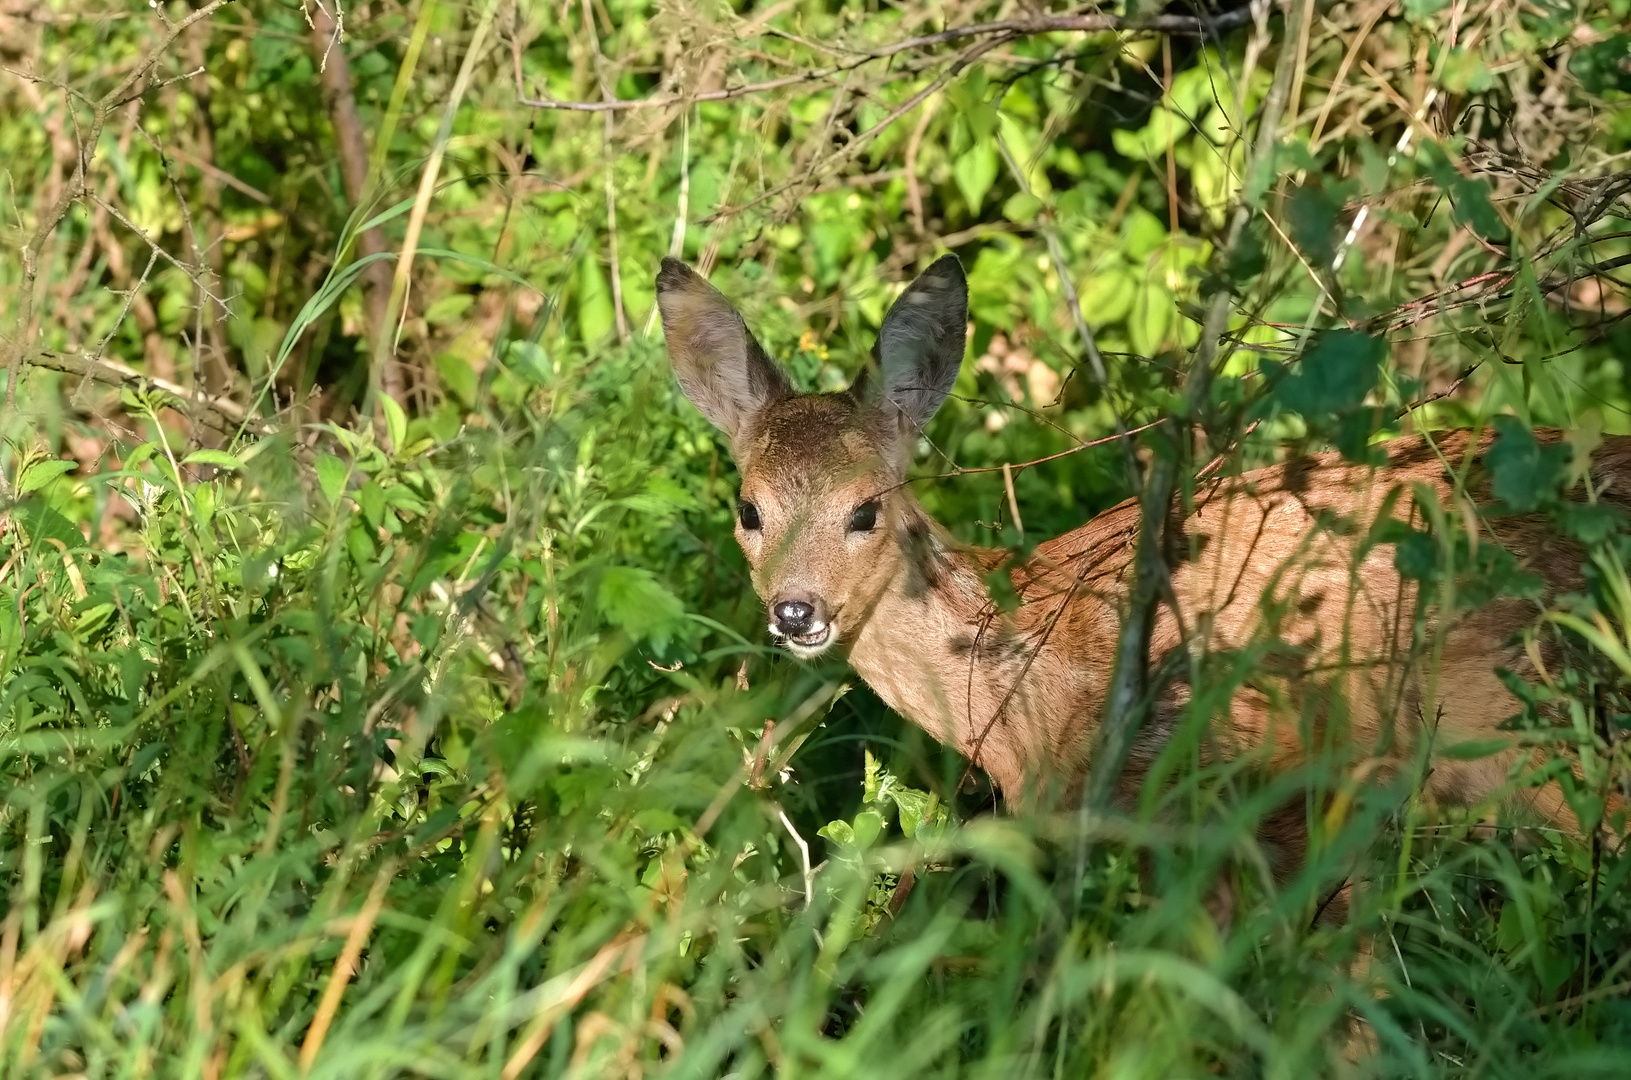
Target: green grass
x=425, y=769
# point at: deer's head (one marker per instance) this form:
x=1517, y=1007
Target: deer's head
x=822, y=516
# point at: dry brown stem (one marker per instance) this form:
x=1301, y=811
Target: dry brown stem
x=17, y=345
x=351, y=144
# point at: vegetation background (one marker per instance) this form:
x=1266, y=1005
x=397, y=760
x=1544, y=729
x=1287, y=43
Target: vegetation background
x=382, y=693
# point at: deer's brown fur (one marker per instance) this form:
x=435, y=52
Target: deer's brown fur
x=1280, y=560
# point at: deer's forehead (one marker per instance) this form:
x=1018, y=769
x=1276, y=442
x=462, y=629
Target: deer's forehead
x=813, y=442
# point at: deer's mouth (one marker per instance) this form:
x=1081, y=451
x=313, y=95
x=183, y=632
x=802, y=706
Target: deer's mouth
x=810, y=644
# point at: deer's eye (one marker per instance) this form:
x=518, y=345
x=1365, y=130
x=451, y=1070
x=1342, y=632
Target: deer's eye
x=865, y=518
x=748, y=515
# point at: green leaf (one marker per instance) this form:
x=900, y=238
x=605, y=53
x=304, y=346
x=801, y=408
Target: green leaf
x=371, y=497
x=218, y=458
x=1313, y=216
x=41, y=473
x=1473, y=207
x=631, y=598
x=1248, y=256
x=662, y=495
x=1417, y=10
x=1525, y=474
x=868, y=827
x=839, y=832
x=1416, y=556
x=530, y=361
x=1590, y=523
x=42, y=523
x=1022, y=207
x=1462, y=71
x=396, y=422
x=1473, y=749
x=331, y=477
x=975, y=172
x=1150, y=142
x=448, y=308
x=982, y=119
x=595, y=315
x=458, y=376
x=1336, y=373
x=92, y=619
x=1604, y=66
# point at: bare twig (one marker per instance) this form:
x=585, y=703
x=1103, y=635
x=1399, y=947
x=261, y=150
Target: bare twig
x=22, y=331
x=222, y=414
x=1003, y=29
x=220, y=175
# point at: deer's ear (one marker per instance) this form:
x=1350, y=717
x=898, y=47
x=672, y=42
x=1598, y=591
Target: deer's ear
x=720, y=367
x=920, y=345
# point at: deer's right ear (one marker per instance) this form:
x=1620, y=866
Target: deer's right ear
x=721, y=368
x=920, y=345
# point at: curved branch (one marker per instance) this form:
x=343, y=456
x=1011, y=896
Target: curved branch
x=1006, y=29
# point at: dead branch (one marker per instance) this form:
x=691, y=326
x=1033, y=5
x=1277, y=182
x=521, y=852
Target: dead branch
x=1003, y=30
x=222, y=414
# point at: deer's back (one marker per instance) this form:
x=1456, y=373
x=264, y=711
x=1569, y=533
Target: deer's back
x=1284, y=573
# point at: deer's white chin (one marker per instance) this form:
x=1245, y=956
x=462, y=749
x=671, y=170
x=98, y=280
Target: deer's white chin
x=811, y=645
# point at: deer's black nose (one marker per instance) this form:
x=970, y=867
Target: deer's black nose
x=793, y=617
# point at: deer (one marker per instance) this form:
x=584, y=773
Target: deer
x=845, y=558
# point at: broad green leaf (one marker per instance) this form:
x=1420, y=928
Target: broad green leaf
x=631, y=598
x=458, y=376
x=531, y=361
x=331, y=476
x=1336, y=373
x=1463, y=71
x=975, y=172
x=595, y=314
x=1149, y=143
x=449, y=309
x=868, y=827
x=839, y=832
x=41, y=473
x=371, y=497
x=1604, y=66
x=1313, y=218
x=1416, y=556
x=1525, y=474
x=1022, y=207
x=41, y=523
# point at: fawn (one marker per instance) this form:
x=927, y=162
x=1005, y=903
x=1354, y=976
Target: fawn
x=843, y=556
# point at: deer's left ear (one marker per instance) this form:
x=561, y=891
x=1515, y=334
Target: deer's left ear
x=720, y=366
x=920, y=345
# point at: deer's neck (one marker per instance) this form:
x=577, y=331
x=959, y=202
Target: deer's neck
x=997, y=686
